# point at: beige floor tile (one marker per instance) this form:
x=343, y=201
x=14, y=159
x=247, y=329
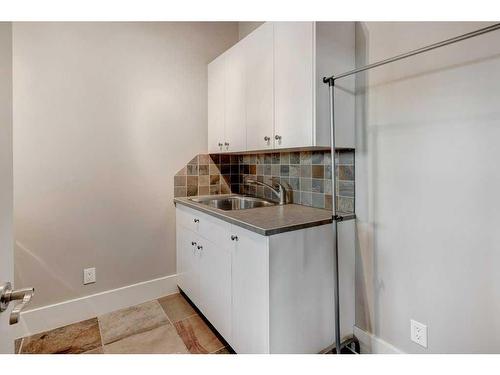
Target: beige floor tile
x=74, y=338
x=98, y=350
x=176, y=307
x=197, y=336
x=223, y=351
x=160, y=340
x=122, y=323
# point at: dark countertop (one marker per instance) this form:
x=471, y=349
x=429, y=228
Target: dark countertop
x=269, y=220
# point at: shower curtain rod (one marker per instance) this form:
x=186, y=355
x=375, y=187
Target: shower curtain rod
x=331, y=80
x=335, y=217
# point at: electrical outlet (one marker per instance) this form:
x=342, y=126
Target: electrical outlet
x=89, y=276
x=418, y=333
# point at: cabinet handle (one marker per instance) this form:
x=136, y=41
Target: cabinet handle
x=267, y=139
x=193, y=243
x=234, y=238
x=196, y=220
x=220, y=144
x=277, y=137
x=199, y=247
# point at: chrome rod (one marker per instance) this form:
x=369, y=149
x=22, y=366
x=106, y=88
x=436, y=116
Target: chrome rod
x=418, y=51
x=331, y=85
x=334, y=223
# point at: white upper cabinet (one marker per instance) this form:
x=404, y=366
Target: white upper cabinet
x=260, y=88
x=235, y=129
x=294, y=83
x=216, y=104
x=271, y=89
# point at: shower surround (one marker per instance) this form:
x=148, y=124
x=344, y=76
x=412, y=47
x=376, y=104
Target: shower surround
x=305, y=174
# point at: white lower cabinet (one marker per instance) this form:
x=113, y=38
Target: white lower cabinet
x=250, y=289
x=266, y=294
x=187, y=263
x=215, y=285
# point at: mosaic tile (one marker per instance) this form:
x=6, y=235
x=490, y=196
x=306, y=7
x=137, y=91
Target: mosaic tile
x=203, y=170
x=204, y=180
x=284, y=170
x=179, y=180
x=305, y=157
x=299, y=172
x=318, y=171
x=318, y=200
x=346, y=173
x=192, y=180
x=204, y=159
x=317, y=185
x=305, y=171
x=295, y=158
x=306, y=198
x=180, y=191
x=317, y=157
x=192, y=170
x=346, y=158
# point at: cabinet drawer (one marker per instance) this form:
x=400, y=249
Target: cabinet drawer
x=188, y=218
x=215, y=230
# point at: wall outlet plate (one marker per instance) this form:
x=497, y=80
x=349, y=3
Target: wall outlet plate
x=418, y=333
x=89, y=276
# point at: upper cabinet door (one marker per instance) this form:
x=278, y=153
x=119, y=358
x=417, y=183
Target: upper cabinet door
x=216, y=104
x=260, y=88
x=235, y=113
x=294, y=83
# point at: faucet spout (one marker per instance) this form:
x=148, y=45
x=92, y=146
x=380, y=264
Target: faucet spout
x=277, y=188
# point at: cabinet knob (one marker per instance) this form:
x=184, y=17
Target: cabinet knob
x=220, y=144
x=277, y=137
x=199, y=247
x=267, y=139
x=193, y=243
x=196, y=220
x=234, y=238
x=226, y=143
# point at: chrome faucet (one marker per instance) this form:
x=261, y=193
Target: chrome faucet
x=277, y=188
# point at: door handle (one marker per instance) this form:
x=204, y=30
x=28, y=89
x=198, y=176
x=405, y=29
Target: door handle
x=7, y=295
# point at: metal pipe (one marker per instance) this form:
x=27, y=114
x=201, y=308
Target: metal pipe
x=418, y=51
x=334, y=223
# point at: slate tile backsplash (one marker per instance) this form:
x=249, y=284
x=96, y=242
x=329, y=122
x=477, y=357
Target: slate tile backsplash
x=305, y=174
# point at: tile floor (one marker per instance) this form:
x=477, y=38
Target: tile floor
x=166, y=325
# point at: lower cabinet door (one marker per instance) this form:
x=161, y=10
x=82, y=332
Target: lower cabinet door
x=250, y=291
x=215, y=285
x=188, y=263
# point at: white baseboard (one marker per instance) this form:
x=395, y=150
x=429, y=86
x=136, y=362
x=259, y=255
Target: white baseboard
x=371, y=344
x=60, y=314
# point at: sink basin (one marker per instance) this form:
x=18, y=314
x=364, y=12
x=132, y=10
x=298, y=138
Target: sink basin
x=233, y=202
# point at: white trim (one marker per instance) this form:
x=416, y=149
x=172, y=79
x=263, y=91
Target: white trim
x=371, y=344
x=75, y=310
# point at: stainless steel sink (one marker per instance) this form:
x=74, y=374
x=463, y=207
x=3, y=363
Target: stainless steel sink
x=235, y=202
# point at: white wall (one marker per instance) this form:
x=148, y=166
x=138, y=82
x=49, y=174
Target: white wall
x=6, y=190
x=428, y=182
x=104, y=115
